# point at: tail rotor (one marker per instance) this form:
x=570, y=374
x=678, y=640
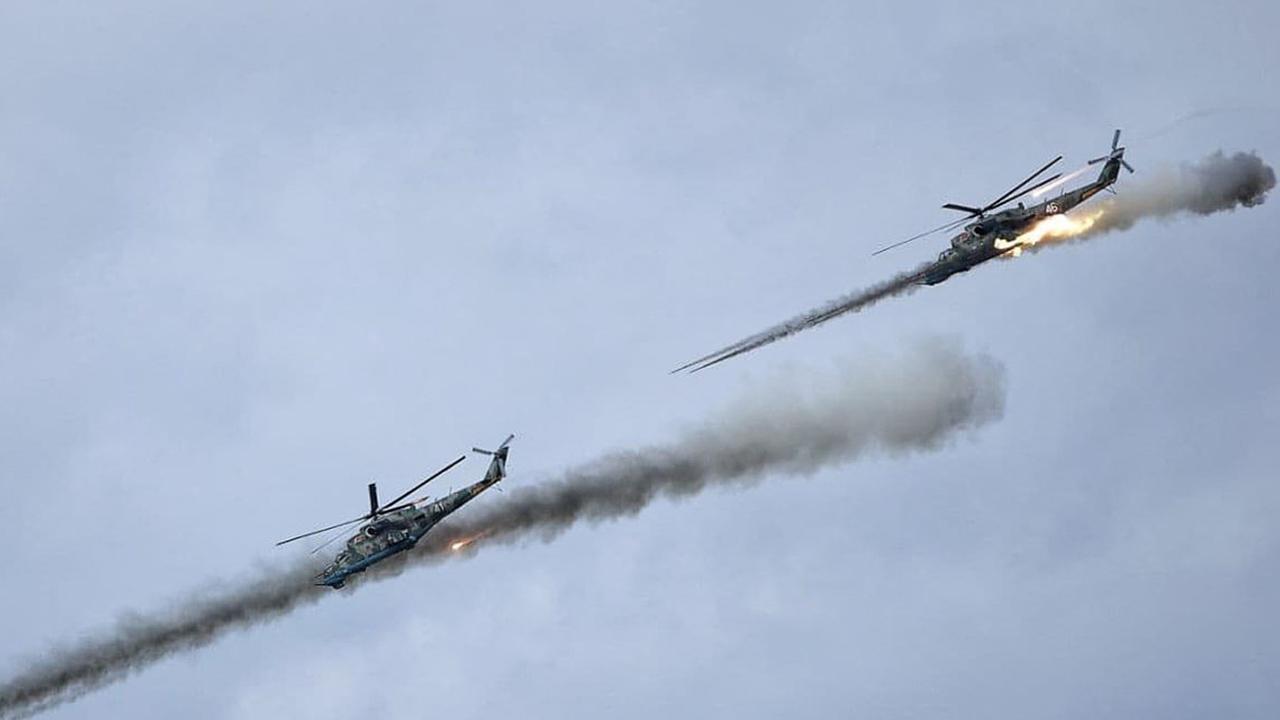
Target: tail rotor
x=498, y=466
x=501, y=449
x=1117, y=153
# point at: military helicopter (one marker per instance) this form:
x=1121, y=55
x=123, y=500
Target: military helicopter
x=992, y=235
x=396, y=526
x=986, y=235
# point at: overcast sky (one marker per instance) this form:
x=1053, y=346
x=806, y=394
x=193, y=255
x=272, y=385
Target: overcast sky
x=252, y=258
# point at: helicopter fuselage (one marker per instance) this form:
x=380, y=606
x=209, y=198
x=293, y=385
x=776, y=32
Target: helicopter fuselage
x=394, y=532
x=994, y=235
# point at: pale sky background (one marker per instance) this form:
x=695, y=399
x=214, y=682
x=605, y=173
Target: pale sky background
x=252, y=258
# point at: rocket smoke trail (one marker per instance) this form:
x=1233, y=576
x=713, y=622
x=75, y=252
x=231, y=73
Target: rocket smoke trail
x=1214, y=184
x=900, y=284
x=795, y=426
x=63, y=674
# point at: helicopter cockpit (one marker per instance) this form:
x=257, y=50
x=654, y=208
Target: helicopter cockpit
x=378, y=535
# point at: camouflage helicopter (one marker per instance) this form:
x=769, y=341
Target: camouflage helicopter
x=993, y=235
x=397, y=526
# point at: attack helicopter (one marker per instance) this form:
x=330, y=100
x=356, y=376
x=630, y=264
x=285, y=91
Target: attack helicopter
x=396, y=526
x=986, y=236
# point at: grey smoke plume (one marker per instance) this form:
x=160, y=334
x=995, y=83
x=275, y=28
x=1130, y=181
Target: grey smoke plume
x=905, y=404
x=63, y=674
x=795, y=426
x=1216, y=183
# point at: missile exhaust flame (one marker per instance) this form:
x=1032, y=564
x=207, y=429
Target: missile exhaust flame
x=466, y=542
x=1054, y=227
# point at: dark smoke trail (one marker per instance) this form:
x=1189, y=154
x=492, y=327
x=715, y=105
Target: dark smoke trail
x=901, y=284
x=1217, y=183
x=911, y=403
x=67, y=673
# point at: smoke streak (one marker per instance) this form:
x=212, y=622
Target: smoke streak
x=1216, y=183
x=911, y=403
x=67, y=673
x=901, y=284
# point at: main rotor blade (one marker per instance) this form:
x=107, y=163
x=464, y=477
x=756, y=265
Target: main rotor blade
x=1062, y=180
x=327, y=543
x=951, y=225
x=1003, y=198
x=433, y=476
x=496, y=450
x=1033, y=188
x=962, y=208
x=321, y=530
x=404, y=505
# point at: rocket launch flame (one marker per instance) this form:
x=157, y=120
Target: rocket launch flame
x=1054, y=227
x=463, y=543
